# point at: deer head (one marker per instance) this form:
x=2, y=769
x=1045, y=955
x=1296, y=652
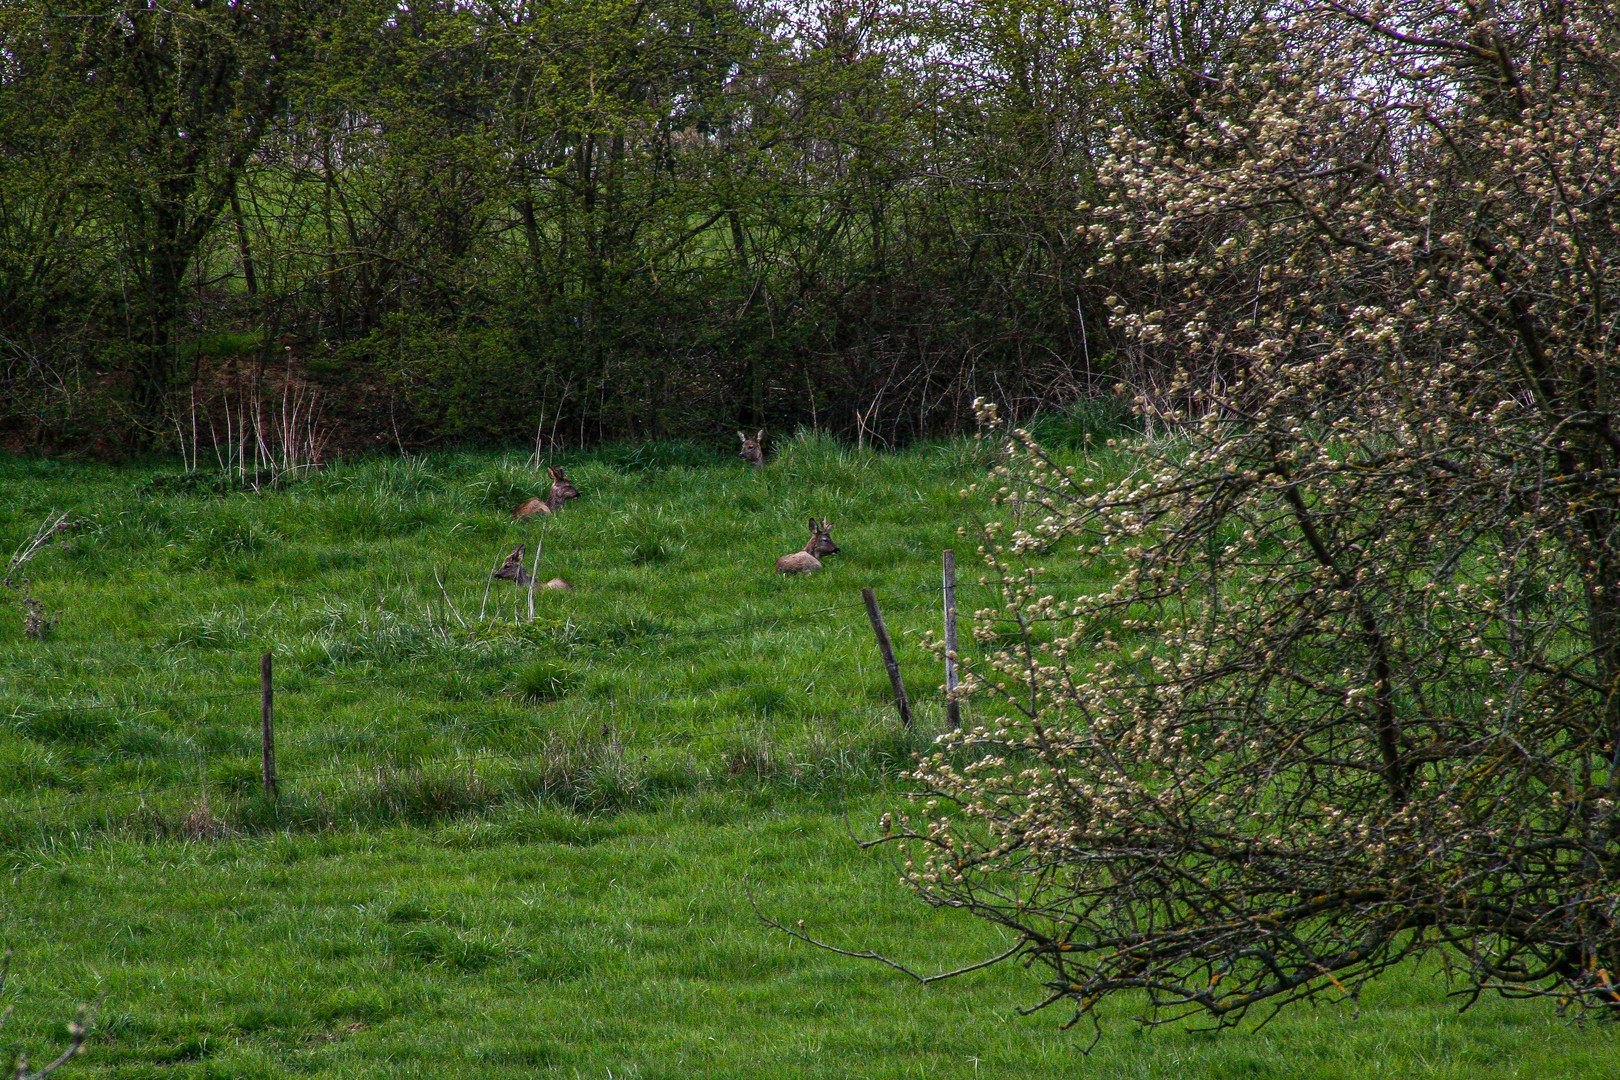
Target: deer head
x=753, y=449
x=512, y=569
x=562, y=488
x=821, y=542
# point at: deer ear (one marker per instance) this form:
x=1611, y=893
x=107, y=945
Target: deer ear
x=556, y=472
x=741, y=436
x=761, y=436
x=814, y=526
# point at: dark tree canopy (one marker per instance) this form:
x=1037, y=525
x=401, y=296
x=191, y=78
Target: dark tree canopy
x=461, y=221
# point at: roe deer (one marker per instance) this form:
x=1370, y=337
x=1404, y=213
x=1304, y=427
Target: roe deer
x=808, y=560
x=753, y=450
x=562, y=489
x=512, y=570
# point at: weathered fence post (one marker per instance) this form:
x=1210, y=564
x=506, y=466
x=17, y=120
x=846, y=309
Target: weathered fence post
x=953, y=710
x=886, y=647
x=267, y=716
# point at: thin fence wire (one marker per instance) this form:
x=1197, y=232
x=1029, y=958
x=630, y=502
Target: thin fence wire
x=660, y=634
x=144, y=703
x=703, y=631
x=362, y=771
x=358, y=772
x=578, y=709
x=284, y=746
x=575, y=710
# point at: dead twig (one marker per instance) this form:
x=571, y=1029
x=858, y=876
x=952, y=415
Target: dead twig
x=798, y=931
x=42, y=539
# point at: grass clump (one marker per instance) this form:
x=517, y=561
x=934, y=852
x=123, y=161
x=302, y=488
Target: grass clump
x=657, y=456
x=545, y=680
x=69, y=727
x=650, y=552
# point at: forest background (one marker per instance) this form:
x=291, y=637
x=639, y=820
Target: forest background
x=608, y=219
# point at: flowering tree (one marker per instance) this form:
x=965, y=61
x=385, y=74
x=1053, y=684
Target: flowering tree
x=1350, y=693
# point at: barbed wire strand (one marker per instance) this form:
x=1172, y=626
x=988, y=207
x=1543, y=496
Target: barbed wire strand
x=354, y=738
x=359, y=771
x=747, y=624
x=611, y=705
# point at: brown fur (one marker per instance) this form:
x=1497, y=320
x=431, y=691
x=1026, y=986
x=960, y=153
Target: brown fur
x=809, y=560
x=753, y=450
x=562, y=489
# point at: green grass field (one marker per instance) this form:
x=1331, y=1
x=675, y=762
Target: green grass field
x=514, y=847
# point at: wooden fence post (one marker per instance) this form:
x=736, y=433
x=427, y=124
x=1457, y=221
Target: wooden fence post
x=267, y=715
x=953, y=710
x=886, y=647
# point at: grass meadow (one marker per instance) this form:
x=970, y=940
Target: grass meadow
x=514, y=846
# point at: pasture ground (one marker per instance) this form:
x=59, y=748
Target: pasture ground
x=514, y=847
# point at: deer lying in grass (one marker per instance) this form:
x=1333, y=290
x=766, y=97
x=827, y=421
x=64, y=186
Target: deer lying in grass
x=753, y=450
x=562, y=489
x=512, y=570
x=809, y=560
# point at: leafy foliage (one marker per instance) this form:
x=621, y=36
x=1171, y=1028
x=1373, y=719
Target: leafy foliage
x=603, y=220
